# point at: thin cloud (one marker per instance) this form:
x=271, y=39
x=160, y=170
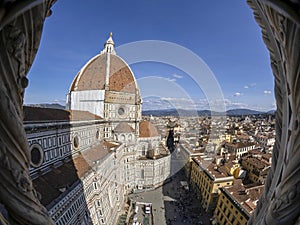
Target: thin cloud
x=177, y=76
x=252, y=85
x=171, y=79
x=175, y=99
x=59, y=101
x=267, y=92
x=150, y=103
x=237, y=94
x=189, y=104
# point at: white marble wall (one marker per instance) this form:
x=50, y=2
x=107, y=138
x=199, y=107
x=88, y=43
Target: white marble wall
x=89, y=100
x=101, y=195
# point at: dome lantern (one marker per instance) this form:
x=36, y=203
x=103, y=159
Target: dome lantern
x=109, y=46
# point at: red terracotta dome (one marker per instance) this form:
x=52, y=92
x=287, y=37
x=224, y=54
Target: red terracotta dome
x=105, y=68
x=147, y=129
x=123, y=127
x=92, y=75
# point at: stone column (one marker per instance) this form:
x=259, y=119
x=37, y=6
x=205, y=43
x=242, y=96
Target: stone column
x=21, y=25
x=280, y=23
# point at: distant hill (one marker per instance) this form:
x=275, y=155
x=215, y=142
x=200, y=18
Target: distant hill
x=272, y=112
x=176, y=112
x=48, y=105
x=182, y=112
x=172, y=112
x=242, y=112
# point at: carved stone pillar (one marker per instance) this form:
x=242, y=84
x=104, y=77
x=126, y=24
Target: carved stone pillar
x=21, y=23
x=280, y=24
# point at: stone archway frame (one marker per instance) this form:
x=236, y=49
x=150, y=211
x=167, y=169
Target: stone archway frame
x=280, y=24
x=21, y=23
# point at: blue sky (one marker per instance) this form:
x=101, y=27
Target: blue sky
x=222, y=33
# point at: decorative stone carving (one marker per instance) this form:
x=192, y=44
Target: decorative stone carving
x=21, y=25
x=280, y=23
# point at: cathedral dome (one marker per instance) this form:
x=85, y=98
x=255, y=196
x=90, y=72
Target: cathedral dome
x=92, y=75
x=147, y=129
x=123, y=127
x=105, y=69
x=106, y=86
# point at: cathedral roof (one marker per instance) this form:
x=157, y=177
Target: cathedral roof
x=147, y=129
x=49, y=114
x=92, y=76
x=49, y=185
x=123, y=127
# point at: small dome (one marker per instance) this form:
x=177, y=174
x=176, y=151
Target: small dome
x=123, y=127
x=147, y=129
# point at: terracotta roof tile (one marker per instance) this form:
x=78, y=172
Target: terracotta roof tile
x=217, y=171
x=240, y=144
x=147, y=129
x=44, y=114
x=81, y=165
x=123, y=127
x=92, y=75
x=95, y=154
x=49, y=114
x=49, y=184
x=77, y=115
x=121, y=78
x=110, y=145
x=245, y=196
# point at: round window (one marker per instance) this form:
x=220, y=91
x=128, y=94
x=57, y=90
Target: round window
x=76, y=142
x=36, y=155
x=121, y=111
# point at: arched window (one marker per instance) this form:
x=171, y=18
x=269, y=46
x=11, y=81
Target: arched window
x=97, y=134
x=122, y=137
x=130, y=137
x=143, y=174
